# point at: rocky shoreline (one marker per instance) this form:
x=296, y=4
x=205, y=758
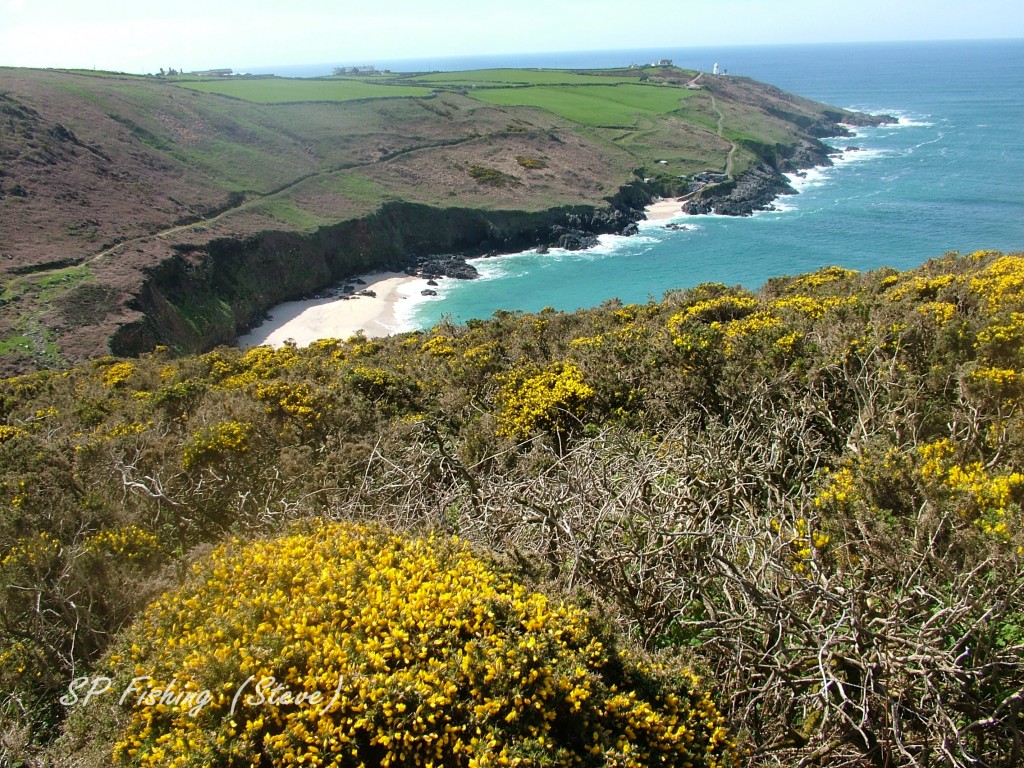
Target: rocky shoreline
x=578, y=231
x=756, y=189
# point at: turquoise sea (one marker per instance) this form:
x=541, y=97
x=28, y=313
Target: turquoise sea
x=949, y=177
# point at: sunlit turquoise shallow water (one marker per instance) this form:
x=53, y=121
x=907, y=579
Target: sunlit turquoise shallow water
x=949, y=177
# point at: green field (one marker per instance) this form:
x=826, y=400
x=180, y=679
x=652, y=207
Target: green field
x=279, y=90
x=597, y=105
x=521, y=77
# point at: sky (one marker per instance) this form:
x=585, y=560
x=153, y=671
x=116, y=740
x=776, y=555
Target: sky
x=147, y=35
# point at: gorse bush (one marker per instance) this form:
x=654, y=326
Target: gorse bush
x=492, y=176
x=353, y=647
x=554, y=400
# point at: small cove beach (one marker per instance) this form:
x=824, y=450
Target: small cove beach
x=306, y=321
x=388, y=312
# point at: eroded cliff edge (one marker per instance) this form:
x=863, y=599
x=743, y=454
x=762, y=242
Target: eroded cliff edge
x=205, y=296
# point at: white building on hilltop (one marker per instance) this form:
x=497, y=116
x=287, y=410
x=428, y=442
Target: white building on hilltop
x=714, y=71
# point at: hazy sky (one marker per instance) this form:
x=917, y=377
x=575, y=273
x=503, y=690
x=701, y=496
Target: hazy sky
x=145, y=35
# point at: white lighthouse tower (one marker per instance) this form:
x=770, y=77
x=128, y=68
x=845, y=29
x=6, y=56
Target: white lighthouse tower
x=715, y=70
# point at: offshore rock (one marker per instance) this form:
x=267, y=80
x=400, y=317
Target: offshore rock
x=573, y=239
x=454, y=266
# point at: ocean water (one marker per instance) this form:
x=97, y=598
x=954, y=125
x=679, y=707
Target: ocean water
x=948, y=177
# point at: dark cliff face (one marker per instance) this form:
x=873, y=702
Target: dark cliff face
x=206, y=296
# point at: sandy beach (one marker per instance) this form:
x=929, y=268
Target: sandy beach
x=663, y=210
x=303, y=322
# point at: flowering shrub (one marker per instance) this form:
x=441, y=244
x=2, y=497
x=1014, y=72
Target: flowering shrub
x=553, y=400
x=32, y=551
x=924, y=286
x=718, y=309
x=130, y=543
x=824, y=277
x=9, y=433
x=439, y=346
x=374, y=382
x=751, y=325
x=802, y=542
x=991, y=500
x=694, y=421
x=393, y=652
x=216, y=443
x=1001, y=284
x=118, y=374
x=294, y=400
x=812, y=307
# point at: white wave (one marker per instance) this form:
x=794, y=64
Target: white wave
x=937, y=139
x=608, y=244
x=859, y=155
x=806, y=179
x=411, y=298
x=494, y=267
x=904, y=119
x=647, y=225
x=781, y=205
x=694, y=217
x=906, y=122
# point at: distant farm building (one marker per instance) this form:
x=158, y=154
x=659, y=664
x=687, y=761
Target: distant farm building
x=355, y=70
x=662, y=63
x=215, y=73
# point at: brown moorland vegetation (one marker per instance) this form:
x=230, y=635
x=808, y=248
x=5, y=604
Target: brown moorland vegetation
x=810, y=495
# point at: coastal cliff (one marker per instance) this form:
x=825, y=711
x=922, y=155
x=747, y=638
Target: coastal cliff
x=756, y=188
x=142, y=211
x=202, y=297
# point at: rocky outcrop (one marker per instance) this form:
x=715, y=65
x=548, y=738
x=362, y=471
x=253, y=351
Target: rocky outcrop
x=754, y=190
x=581, y=232
x=445, y=266
x=862, y=119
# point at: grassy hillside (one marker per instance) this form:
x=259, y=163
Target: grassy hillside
x=116, y=176
x=810, y=495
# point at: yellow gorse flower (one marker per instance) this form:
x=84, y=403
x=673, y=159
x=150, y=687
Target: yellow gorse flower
x=118, y=374
x=215, y=442
x=552, y=399
x=385, y=651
